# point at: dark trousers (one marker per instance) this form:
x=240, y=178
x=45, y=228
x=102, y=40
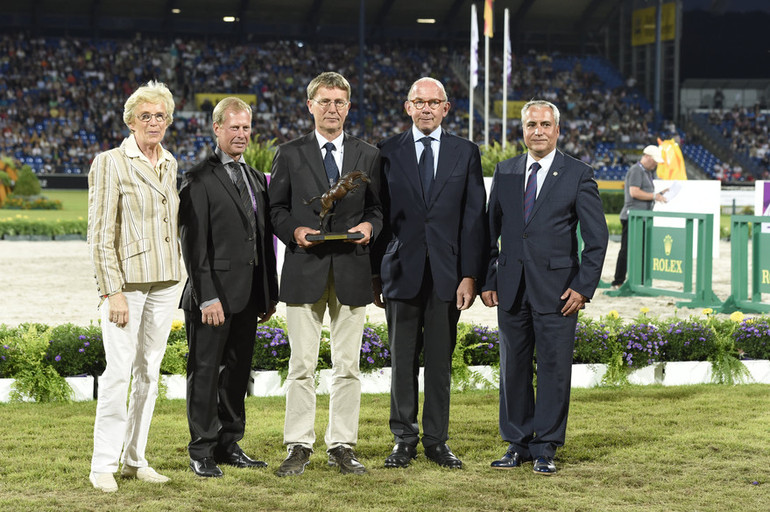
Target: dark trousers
x=218, y=367
x=621, y=266
x=429, y=325
x=534, y=427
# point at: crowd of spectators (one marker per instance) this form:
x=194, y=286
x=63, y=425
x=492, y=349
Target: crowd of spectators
x=746, y=130
x=61, y=98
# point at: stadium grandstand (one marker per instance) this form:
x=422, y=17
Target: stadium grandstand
x=66, y=69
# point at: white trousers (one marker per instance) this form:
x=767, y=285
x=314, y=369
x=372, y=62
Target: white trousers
x=304, y=322
x=135, y=350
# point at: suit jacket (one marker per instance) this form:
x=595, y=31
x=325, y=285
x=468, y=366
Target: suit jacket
x=298, y=175
x=544, y=251
x=449, y=229
x=132, y=219
x=218, y=243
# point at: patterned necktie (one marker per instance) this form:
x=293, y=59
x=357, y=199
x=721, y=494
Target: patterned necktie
x=332, y=172
x=248, y=203
x=426, y=167
x=530, y=193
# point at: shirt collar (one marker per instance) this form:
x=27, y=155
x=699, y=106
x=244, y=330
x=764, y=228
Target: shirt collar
x=133, y=151
x=417, y=134
x=225, y=158
x=545, y=162
x=323, y=140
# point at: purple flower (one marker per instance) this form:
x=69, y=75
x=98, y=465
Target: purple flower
x=81, y=350
x=371, y=361
x=57, y=358
x=86, y=344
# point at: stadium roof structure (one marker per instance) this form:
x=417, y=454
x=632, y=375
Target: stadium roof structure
x=312, y=19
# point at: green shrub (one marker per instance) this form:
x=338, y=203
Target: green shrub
x=27, y=183
x=35, y=378
x=688, y=341
x=612, y=202
x=593, y=342
x=752, y=338
x=5, y=179
x=74, y=350
x=493, y=154
x=17, y=202
x=26, y=226
x=259, y=153
x=480, y=346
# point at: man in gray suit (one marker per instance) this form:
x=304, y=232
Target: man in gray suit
x=539, y=284
x=333, y=274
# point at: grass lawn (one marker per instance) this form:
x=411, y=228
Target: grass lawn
x=651, y=448
x=74, y=202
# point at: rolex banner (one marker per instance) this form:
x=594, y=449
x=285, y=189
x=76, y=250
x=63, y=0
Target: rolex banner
x=668, y=253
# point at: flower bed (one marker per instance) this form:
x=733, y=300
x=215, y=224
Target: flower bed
x=39, y=357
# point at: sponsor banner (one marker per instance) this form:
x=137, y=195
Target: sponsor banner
x=668, y=251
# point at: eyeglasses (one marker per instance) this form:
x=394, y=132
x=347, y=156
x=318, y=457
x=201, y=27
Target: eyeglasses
x=326, y=103
x=145, y=118
x=433, y=104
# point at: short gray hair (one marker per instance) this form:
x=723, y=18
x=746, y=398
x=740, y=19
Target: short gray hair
x=541, y=104
x=153, y=92
x=426, y=79
x=229, y=103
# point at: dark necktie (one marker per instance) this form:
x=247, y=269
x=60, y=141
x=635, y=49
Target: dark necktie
x=332, y=172
x=248, y=203
x=426, y=167
x=530, y=193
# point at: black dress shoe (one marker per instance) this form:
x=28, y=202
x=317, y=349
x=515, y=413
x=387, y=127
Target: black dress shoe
x=294, y=464
x=401, y=456
x=344, y=458
x=241, y=460
x=206, y=467
x=509, y=460
x=544, y=466
x=443, y=456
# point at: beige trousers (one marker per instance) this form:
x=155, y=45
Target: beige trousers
x=304, y=322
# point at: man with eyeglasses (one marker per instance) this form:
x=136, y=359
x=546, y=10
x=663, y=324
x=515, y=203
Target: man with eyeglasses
x=331, y=275
x=426, y=262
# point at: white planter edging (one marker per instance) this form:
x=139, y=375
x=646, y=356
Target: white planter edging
x=681, y=373
x=176, y=386
x=587, y=375
x=652, y=374
x=5, y=389
x=265, y=383
x=82, y=388
x=759, y=370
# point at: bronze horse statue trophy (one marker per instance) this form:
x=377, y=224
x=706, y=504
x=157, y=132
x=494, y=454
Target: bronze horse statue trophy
x=339, y=190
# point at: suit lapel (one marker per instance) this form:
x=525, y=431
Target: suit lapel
x=350, y=155
x=447, y=161
x=221, y=174
x=312, y=155
x=554, y=173
x=258, y=189
x=405, y=160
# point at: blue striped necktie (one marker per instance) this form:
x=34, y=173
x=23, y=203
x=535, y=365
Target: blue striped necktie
x=530, y=193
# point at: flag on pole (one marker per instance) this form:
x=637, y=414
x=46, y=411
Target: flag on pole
x=508, y=69
x=488, y=25
x=474, y=47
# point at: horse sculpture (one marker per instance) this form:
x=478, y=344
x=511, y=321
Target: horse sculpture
x=339, y=190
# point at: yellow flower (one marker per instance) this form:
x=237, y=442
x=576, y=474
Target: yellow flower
x=736, y=317
x=177, y=325
x=613, y=314
x=645, y=310
x=707, y=311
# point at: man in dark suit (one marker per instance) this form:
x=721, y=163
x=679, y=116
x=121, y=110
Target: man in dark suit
x=428, y=260
x=317, y=276
x=539, y=284
x=227, y=245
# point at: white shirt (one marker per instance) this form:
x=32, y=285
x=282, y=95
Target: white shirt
x=337, y=153
x=545, y=166
x=435, y=144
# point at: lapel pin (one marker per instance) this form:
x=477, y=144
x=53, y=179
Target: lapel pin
x=555, y=173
